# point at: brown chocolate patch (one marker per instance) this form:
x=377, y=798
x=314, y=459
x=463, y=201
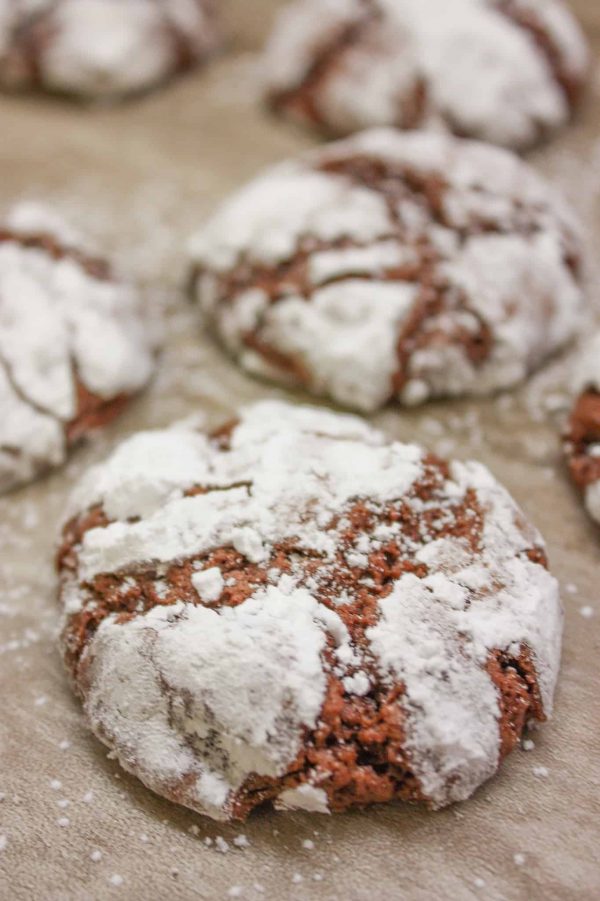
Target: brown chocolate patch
x=584, y=431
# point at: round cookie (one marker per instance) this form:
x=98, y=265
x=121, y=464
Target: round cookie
x=392, y=265
x=294, y=610
x=101, y=48
x=73, y=344
x=583, y=437
x=504, y=71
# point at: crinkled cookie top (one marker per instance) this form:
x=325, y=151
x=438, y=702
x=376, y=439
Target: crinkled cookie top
x=392, y=265
x=296, y=610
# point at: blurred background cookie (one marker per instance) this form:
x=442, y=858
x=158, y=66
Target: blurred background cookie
x=404, y=265
x=74, y=346
x=102, y=48
x=505, y=71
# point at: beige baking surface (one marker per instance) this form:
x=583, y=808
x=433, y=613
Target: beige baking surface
x=141, y=176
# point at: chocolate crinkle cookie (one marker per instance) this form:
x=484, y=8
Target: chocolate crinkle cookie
x=583, y=436
x=392, y=265
x=295, y=610
x=101, y=48
x=73, y=343
x=505, y=71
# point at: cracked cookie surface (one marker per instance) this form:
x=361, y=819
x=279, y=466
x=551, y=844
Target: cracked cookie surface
x=294, y=610
x=390, y=266
x=504, y=71
x=101, y=48
x=582, y=443
x=73, y=344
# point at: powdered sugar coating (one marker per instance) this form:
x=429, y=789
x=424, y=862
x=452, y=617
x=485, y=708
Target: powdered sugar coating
x=65, y=327
x=505, y=71
x=101, y=48
x=206, y=698
x=392, y=264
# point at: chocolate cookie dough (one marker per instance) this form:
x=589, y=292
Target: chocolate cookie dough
x=505, y=71
x=73, y=344
x=101, y=48
x=392, y=265
x=295, y=610
x=583, y=437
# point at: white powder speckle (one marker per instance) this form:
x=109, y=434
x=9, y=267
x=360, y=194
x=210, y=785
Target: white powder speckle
x=63, y=821
x=96, y=856
x=587, y=612
x=116, y=879
x=519, y=859
x=541, y=772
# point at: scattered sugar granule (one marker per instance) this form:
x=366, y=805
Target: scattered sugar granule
x=88, y=798
x=208, y=841
x=64, y=744
x=143, y=837
x=519, y=859
x=528, y=745
x=115, y=879
x=571, y=588
x=3, y=842
x=55, y=784
x=235, y=891
x=587, y=612
x=39, y=702
x=479, y=882
x=541, y=771
x=318, y=877
x=296, y=878
x=308, y=844
x=96, y=856
x=221, y=845
x=63, y=821
x=194, y=830
x=240, y=841
x=63, y=803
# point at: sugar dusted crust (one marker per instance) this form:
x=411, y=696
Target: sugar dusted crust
x=102, y=48
x=295, y=611
x=73, y=346
x=582, y=443
x=392, y=266
x=504, y=71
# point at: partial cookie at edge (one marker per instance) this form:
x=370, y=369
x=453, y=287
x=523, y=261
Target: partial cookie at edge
x=74, y=343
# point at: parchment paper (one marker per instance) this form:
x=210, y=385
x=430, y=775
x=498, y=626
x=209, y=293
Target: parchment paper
x=140, y=177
